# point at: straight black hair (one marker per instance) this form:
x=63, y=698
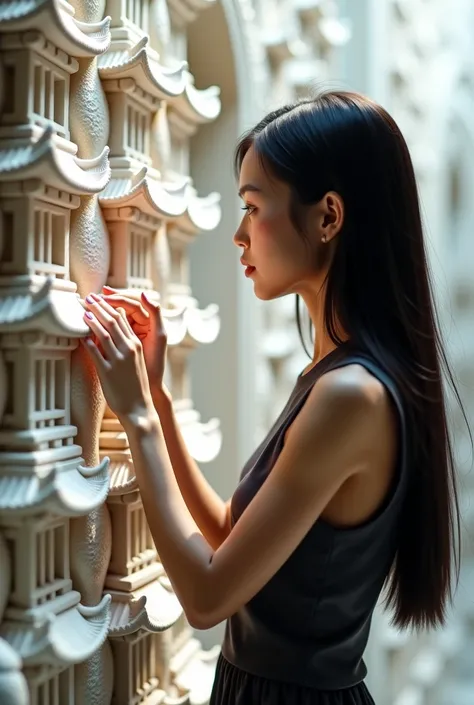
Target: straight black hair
x=378, y=289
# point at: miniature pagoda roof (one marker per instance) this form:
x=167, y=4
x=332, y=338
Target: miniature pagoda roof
x=202, y=213
x=164, y=200
x=147, y=194
x=189, y=325
x=43, y=160
x=122, y=476
x=203, y=440
x=202, y=325
x=196, y=106
x=48, y=310
x=62, y=639
x=140, y=63
x=68, y=492
x=55, y=18
x=152, y=607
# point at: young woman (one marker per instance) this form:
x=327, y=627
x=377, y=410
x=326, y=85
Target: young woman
x=353, y=488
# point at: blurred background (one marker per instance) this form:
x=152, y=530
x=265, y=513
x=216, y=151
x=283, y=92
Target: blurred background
x=414, y=57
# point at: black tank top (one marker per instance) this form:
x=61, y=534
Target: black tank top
x=310, y=623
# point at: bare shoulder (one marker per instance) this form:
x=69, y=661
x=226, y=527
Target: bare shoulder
x=352, y=387
x=352, y=399
x=353, y=384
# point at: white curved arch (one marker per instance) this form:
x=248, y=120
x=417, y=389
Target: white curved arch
x=250, y=60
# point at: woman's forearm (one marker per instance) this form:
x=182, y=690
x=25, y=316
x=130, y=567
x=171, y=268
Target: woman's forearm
x=208, y=510
x=185, y=553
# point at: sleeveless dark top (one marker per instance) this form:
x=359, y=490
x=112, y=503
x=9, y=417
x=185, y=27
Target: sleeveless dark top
x=305, y=632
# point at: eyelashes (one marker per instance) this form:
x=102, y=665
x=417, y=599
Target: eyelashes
x=249, y=209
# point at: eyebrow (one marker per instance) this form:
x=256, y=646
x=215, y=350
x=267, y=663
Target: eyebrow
x=248, y=187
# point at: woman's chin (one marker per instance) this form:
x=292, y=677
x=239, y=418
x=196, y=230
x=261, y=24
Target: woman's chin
x=266, y=294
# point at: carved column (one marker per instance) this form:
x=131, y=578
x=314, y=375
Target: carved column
x=94, y=188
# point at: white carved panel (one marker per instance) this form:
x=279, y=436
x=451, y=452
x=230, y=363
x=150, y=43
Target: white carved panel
x=98, y=106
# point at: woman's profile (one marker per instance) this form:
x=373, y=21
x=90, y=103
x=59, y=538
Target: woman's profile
x=353, y=490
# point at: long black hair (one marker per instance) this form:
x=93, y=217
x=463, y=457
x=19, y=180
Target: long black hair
x=378, y=291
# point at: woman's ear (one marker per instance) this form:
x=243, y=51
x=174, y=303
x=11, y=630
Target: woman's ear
x=331, y=215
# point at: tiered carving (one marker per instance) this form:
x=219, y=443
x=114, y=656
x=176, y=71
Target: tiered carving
x=145, y=200
x=44, y=481
x=94, y=189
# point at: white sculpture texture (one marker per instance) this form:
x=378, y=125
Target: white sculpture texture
x=96, y=117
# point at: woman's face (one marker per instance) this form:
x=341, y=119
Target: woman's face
x=280, y=260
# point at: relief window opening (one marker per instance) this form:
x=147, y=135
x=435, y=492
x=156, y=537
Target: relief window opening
x=50, y=228
x=6, y=238
x=50, y=392
x=9, y=90
x=138, y=129
x=51, y=561
x=49, y=94
x=140, y=258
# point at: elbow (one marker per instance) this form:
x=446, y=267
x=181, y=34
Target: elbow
x=205, y=605
x=205, y=610
x=201, y=620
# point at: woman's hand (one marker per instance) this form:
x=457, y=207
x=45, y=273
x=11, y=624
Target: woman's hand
x=146, y=322
x=117, y=354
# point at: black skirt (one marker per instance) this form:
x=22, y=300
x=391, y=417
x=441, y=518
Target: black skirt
x=235, y=687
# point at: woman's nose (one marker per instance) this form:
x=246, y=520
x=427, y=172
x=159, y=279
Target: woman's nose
x=241, y=238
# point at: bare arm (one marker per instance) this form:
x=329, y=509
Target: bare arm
x=332, y=434
x=330, y=441
x=209, y=511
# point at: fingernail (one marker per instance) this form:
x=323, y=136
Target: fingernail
x=89, y=314
x=89, y=299
x=97, y=297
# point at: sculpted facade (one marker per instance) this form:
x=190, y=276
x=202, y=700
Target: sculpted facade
x=98, y=107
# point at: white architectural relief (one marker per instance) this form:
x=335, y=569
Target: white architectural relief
x=72, y=220
x=136, y=210
x=56, y=168
x=89, y=256
x=55, y=19
x=141, y=64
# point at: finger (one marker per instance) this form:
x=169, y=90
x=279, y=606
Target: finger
x=112, y=321
x=133, y=308
x=116, y=314
x=103, y=336
x=156, y=321
x=125, y=322
x=140, y=330
x=93, y=351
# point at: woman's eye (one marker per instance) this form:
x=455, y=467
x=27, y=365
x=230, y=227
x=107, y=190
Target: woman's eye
x=249, y=209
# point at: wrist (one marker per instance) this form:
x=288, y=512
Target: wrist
x=142, y=419
x=161, y=397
